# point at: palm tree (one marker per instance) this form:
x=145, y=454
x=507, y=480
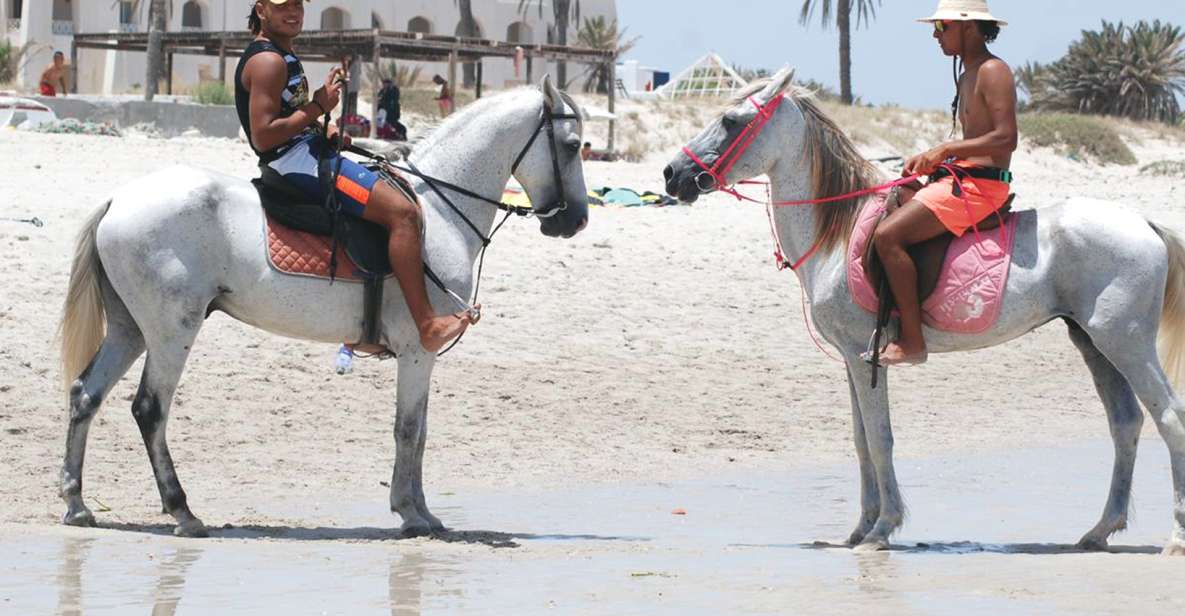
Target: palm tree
x=865, y=12
x=1130, y=71
x=557, y=33
x=157, y=24
x=599, y=34
x=468, y=28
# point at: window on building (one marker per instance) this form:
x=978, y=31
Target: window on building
x=191, y=16
x=376, y=21
x=14, y=11
x=518, y=32
x=63, y=10
x=127, y=12
x=334, y=18
x=419, y=24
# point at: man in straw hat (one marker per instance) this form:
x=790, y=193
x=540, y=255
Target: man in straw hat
x=279, y=116
x=980, y=160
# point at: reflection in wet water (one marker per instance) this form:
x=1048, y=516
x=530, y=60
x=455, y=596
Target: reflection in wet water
x=73, y=555
x=619, y=548
x=171, y=583
x=406, y=584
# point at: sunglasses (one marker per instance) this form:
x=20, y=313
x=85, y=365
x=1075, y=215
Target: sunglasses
x=941, y=26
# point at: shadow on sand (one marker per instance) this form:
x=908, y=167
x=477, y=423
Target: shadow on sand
x=971, y=547
x=495, y=539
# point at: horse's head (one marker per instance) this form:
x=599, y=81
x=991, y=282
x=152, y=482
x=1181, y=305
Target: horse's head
x=744, y=143
x=549, y=165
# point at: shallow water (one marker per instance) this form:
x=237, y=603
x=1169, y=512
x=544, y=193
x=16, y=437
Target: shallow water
x=986, y=534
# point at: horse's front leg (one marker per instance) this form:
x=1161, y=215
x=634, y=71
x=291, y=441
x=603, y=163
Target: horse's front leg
x=878, y=433
x=411, y=412
x=870, y=500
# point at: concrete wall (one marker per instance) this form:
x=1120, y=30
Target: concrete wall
x=170, y=118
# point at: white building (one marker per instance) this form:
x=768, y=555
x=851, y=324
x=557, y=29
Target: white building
x=49, y=25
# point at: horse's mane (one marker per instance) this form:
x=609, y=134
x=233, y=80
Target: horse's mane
x=836, y=166
x=441, y=128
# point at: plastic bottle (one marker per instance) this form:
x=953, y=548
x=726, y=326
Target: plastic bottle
x=345, y=360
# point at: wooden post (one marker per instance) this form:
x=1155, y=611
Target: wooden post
x=452, y=74
x=377, y=63
x=612, y=102
x=169, y=73
x=222, y=61
x=74, y=67
x=530, y=66
x=479, y=72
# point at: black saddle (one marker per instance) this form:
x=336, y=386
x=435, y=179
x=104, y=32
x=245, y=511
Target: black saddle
x=365, y=242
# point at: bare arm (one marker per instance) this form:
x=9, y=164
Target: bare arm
x=265, y=77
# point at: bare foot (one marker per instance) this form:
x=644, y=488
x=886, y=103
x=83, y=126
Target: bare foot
x=897, y=355
x=441, y=330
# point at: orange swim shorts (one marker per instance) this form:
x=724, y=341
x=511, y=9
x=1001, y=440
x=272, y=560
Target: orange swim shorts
x=980, y=199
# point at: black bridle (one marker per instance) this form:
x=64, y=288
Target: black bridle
x=547, y=122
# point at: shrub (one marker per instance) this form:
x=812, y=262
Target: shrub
x=1134, y=71
x=214, y=93
x=1165, y=168
x=1076, y=136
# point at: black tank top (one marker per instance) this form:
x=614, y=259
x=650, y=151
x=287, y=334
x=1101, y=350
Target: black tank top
x=294, y=96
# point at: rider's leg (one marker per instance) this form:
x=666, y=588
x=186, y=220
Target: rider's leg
x=912, y=224
x=391, y=208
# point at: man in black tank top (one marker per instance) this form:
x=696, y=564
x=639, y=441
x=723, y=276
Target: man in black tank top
x=279, y=116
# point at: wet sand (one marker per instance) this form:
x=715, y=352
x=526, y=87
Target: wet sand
x=990, y=533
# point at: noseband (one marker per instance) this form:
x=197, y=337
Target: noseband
x=725, y=162
x=548, y=122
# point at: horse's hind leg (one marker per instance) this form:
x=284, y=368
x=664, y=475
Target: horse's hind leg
x=1135, y=356
x=119, y=350
x=162, y=370
x=1126, y=419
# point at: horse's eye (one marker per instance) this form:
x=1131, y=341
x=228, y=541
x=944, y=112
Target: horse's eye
x=573, y=146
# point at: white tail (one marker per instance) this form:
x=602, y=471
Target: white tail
x=1172, y=316
x=83, y=320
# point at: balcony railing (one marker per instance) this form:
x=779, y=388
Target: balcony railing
x=128, y=28
x=61, y=26
x=191, y=28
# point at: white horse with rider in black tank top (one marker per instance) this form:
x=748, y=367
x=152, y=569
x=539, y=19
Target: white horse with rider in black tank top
x=279, y=116
x=172, y=247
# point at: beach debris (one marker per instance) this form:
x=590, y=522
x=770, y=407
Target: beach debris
x=35, y=221
x=71, y=126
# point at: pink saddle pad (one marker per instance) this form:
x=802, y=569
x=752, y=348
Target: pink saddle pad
x=970, y=288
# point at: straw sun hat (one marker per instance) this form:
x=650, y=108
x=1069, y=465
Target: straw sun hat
x=963, y=10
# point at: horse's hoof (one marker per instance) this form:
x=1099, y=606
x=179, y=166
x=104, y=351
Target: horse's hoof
x=1092, y=544
x=193, y=528
x=1173, y=549
x=855, y=538
x=871, y=545
x=83, y=518
x=415, y=528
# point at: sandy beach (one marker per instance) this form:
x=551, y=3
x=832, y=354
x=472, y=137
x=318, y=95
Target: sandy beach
x=659, y=347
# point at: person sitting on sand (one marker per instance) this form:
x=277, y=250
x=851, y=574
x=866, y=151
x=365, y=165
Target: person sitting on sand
x=54, y=75
x=280, y=117
x=963, y=28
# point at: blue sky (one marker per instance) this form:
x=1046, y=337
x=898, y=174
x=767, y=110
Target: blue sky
x=894, y=59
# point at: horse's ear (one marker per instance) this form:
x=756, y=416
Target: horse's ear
x=550, y=93
x=779, y=82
